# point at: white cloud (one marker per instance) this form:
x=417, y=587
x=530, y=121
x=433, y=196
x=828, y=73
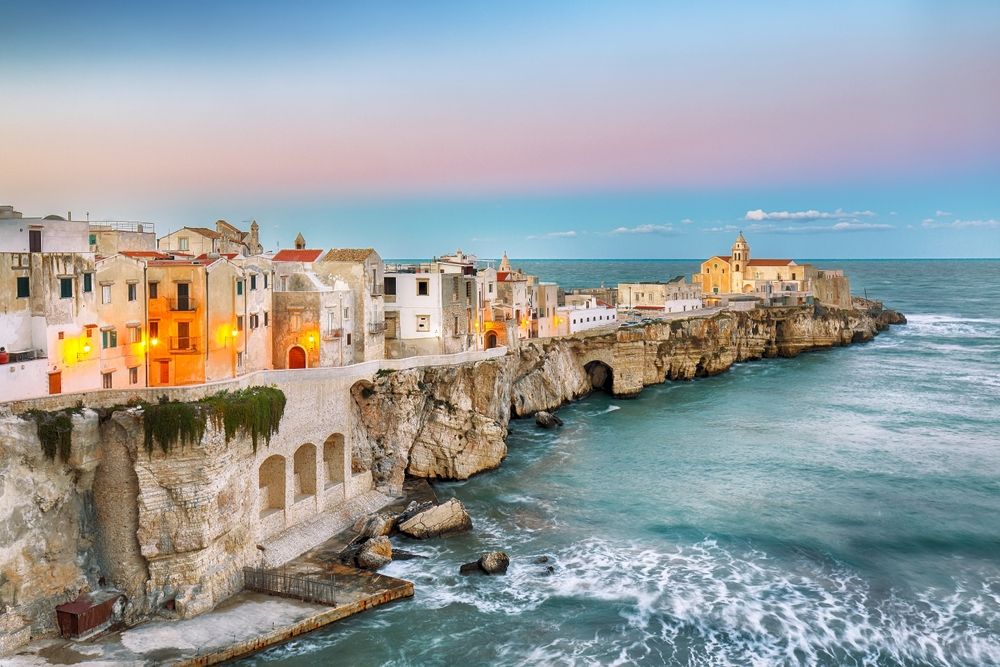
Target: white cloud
x=723, y=228
x=942, y=214
x=837, y=227
x=759, y=215
x=857, y=226
x=553, y=235
x=687, y=221
x=931, y=223
x=645, y=229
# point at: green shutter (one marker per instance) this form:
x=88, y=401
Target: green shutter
x=23, y=287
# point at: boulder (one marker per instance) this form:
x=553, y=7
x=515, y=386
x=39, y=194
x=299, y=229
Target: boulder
x=495, y=562
x=374, y=553
x=547, y=419
x=443, y=519
x=376, y=525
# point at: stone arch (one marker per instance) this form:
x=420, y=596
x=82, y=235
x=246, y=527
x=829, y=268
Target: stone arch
x=334, y=460
x=601, y=375
x=271, y=484
x=748, y=288
x=491, y=340
x=304, y=467
x=297, y=357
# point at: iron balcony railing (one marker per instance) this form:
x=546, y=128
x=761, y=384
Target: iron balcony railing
x=123, y=226
x=332, y=334
x=376, y=327
x=183, y=304
x=185, y=343
x=378, y=290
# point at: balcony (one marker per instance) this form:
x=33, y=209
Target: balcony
x=332, y=334
x=376, y=328
x=183, y=304
x=190, y=344
x=378, y=290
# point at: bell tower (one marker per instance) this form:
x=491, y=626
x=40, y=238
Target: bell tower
x=740, y=257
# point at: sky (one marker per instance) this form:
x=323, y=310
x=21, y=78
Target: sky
x=569, y=128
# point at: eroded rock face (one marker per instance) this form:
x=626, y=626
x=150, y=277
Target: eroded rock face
x=444, y=519
x=547, y=419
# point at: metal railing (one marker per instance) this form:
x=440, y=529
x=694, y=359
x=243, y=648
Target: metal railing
x=185, y=343
x=26, y=355
x=378, y=290
x=123, y=226
x=183, y=304
x=332, y=334
x=376, y=327
x=277, y=582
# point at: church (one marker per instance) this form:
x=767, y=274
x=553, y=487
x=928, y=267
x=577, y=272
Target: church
x=738, y=273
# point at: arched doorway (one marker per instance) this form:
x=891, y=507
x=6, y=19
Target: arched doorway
x=296, y=357
x=601, y=376
x=271, y=485
x=491, y=340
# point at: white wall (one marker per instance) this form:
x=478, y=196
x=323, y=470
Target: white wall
x=57, y=235
x=409, y=304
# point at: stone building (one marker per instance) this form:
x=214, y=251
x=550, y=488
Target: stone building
x=673, y=296
x=121, y=308
x=48, y=312
x=362, y=271
x=428, y=311
x=110, y=237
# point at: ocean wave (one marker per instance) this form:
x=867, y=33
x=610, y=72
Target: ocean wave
x=704, y=604
x=950, y=326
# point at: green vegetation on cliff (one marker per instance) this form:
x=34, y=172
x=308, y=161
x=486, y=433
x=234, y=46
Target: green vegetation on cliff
x=255, y=411
x=55, y=431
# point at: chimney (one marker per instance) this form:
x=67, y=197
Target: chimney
x=69, y=215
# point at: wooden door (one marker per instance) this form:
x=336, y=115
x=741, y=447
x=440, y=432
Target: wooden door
x=164, y=372
x=34, y=240
x=296, y=357
x=55, y=383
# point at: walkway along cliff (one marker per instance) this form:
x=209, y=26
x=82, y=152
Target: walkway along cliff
x=172, y=527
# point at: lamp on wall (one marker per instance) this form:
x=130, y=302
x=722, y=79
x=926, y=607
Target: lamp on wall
x=311, y=341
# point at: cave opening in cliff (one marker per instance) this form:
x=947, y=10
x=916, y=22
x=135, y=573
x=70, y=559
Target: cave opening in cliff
x=601, y=376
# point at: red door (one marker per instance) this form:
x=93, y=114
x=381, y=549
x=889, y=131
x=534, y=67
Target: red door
x=296, y=357
x=164, y=372
x=55, y=383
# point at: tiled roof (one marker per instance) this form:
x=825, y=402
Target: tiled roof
x=205, y=231
x=769, y=262
x=348, y=254
x=289, y=255
x=227, y=255
x=144, y=254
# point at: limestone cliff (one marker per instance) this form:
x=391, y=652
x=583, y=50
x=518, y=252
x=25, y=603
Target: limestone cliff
x=451, y=422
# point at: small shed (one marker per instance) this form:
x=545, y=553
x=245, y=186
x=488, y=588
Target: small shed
x=88, y=615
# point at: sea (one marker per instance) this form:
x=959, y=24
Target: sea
x=839, y=508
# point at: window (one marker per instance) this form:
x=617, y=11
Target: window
x=455, y=329
x=348, y=339
x=253, y=282
x=105, y=293
x=468, y=290
x=61, y=335
x=454, y=290
x=423, y=322
x=133, y=375
x=239, y=359
x=265, y=281
x=390, y=285
x=254, y=321
x=131, y=291
x=154, y=329
x=423, y=288
x=23, y=287
x=239, y=287
x=88, y=282
x=266, y=319
x=154, y=290
x=182, y=243
x=93, y=239
x=66, y=288
x=109, y=339
x=135, y=334
x=294, y=322
x=347, y=312
x=239, y=323
x=106, y=380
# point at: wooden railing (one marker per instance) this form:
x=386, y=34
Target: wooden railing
x=277, y=582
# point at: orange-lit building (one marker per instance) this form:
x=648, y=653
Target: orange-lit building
x=195, y=316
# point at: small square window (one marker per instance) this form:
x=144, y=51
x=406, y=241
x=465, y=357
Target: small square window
x=61, y=335
x=239, y=288
x=23, y=287
x=88, y=282
x=182, y=243
x=266, y=319
x=423, y=322
x=423, y=288
x=106, y=380
x=134, y=334
x=253, y=282
x=131, y=291
x=105, y=293
x=109, y=339
x=239, y=323
x=66, y=288
x=93, y=239
x=133, y=375
x=348, y=339
x=154, y=290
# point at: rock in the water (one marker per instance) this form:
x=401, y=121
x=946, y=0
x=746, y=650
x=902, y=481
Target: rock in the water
x=448, y=517
x=547, y=419
x=495, y=562
x=374, y=553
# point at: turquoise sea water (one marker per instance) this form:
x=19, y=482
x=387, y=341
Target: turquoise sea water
x=840, y=508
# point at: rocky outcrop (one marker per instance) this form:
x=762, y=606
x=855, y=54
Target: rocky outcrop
x=444, y=519
x=373, y=554
x=494, y=562
x=451, y=422
x=547, y=419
